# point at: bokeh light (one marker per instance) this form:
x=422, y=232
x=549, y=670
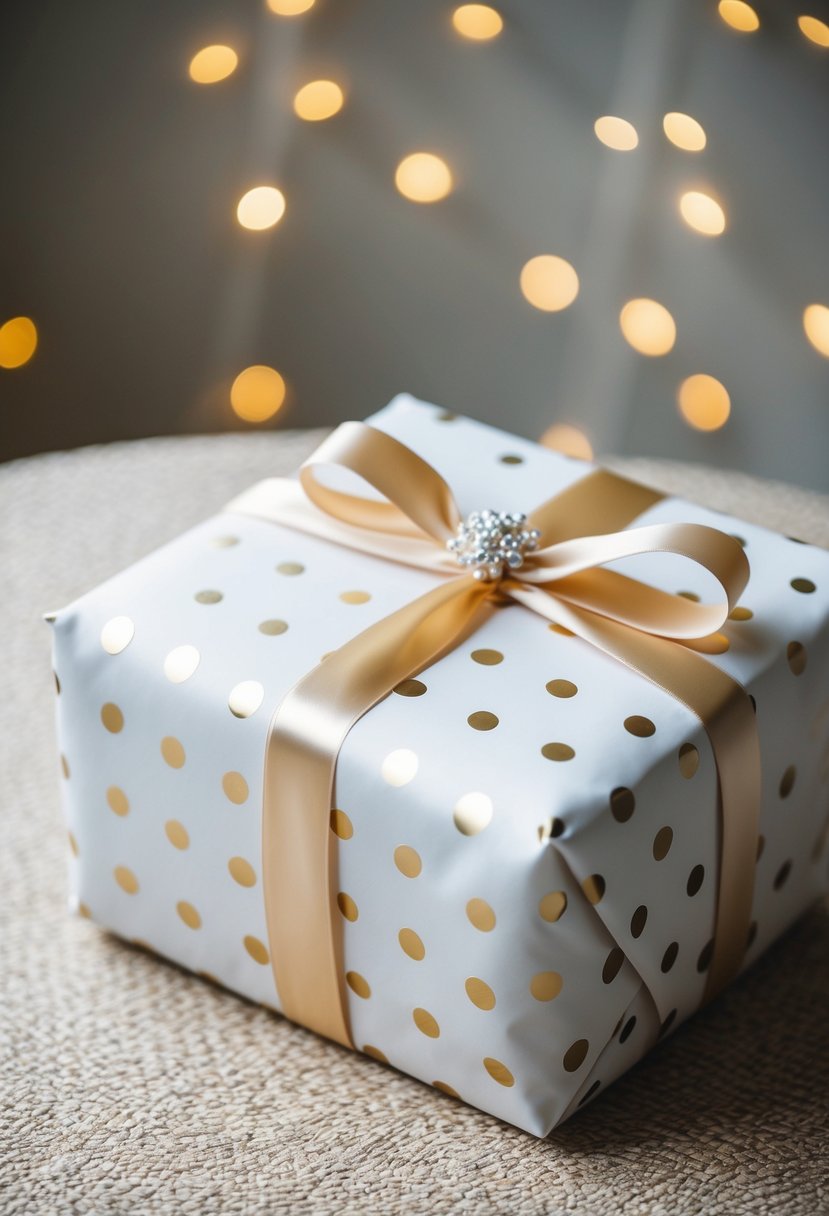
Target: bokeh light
x=423, y=177
x=18, y=341
x=815, y=325
x=569, y=440
x=213, y=63
x=815, y=30
x=739, y=15
x=702, y=213
x=616, y=133
x=703, y=402
x=477, y=21
x=260, y=208
x=684, y=131
x=549, y=282
x=317, y=100
x=257, y=393
x=290, y=8
x=648, y=327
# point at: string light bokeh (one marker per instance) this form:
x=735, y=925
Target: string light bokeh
x=512, y=215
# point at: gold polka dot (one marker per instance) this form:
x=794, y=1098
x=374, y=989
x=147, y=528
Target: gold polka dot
x=689, y=595
x=557, y=751
x=662, y=842
x=399, y=766
x=782, y=874
x=804, y=585
x=499, y=1072
x=575, y=1055
x=64, y=766
x=177, y=834
x=787, y=781
x=487, y=658
x=181, y=663
x=688, y=758
x=669, y=958
x=410, y=688
x=594, y=888
x=347, y=906
x=552, y=906
x=290, y=568
x=426, y=1023
x=73, y=845
x=445, y=1089
x=235, y=787
x=612, y=965
x=511, y=458
x=546, y=985
x=481, y=915
x=796, y=657
x=208, y=597
x=713, y=643
x=126, y=879
x=638, y=921
x=273, y=628
x=407, y=861
x=482, y=719
x=641, y=727
x=622, y=803
x=740, y=613
x=480, y=993
x=256, y=949
x=695, y=880
x=188, y=914
x=355, y=597
x=472, y=813
x=117, y=634
x=172, y=751
x=554, y=627
x=242, y=871
x=245, y=698
x=562, y=688
x=57, y=683
x=341, y=825
x=375, y=1053
x=411, y=944
x=224, y=542
x=118, y=800
x=83, y=910
x=112, y=718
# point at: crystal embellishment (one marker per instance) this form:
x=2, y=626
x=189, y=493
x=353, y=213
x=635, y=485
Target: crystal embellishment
x=492, y=543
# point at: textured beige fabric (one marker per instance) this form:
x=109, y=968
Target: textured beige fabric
x=128, y=1086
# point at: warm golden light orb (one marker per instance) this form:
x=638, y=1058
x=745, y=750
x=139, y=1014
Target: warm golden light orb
x=815, y=30
x=318, y=100
x=616, y=133
x=684, y=131
x=480, y=22
x=739, y=15
x=648, y=327
x=18, y=341
x=213, y=63
x=702, y=213
x=261, y=208
x=815, y=326
x=290, y=8
x=704, y=402
x=568, y=440
x=423, y=177
x=257, y=393
x=549, y=282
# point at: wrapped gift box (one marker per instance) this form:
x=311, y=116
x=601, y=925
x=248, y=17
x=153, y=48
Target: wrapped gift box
x=516, y=930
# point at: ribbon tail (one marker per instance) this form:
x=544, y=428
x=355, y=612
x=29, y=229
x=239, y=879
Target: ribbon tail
x=305, y=736
x=727, y=714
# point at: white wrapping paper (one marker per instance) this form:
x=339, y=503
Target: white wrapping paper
x=476, y=960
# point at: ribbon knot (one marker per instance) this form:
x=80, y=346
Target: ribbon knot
x=556, y=563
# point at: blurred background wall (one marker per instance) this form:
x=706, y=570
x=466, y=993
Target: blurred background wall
x=655, y=285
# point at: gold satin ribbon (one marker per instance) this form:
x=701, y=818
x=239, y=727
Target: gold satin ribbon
x=564, y=581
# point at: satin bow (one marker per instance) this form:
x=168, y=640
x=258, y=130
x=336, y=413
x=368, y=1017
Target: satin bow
x=565, y=580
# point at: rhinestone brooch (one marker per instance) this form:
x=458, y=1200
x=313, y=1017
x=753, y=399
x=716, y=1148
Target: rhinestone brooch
x=491, y=542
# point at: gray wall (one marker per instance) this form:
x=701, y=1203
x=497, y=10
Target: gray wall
x=120, y=179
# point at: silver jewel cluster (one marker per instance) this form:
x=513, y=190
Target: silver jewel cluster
x=492, y=541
